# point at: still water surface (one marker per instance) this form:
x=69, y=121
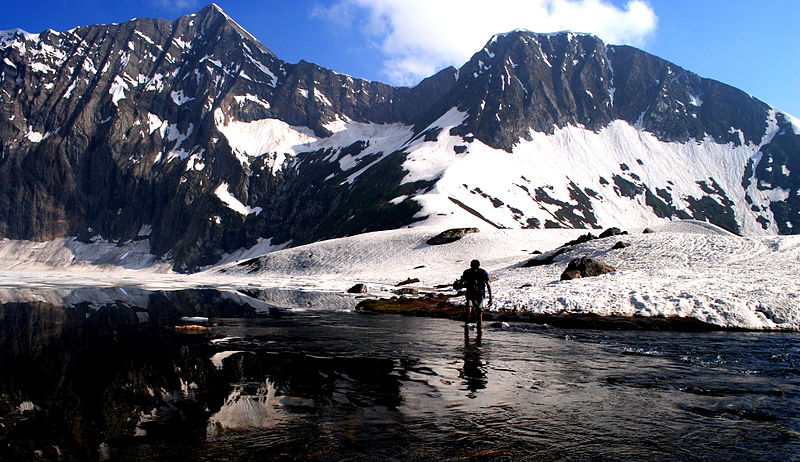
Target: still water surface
x=114, y=381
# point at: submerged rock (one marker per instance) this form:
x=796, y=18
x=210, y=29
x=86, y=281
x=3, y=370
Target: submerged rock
x=585, y=267
x=451, y=235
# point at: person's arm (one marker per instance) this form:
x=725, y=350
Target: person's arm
x=488, y=287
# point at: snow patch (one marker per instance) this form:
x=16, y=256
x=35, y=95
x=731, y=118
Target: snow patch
x=224, y=194
x=695, y=100
x=35, y=137
x=252, y=98
x=319, y=96
x=179, y=98
x=793, y=121
x=118, y=89
x=264, y=136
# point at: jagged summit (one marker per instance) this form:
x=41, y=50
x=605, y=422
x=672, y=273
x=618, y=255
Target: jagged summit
x=193, y=137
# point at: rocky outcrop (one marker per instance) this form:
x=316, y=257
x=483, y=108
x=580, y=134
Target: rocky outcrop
x=451, y=235
x=611, y=232
x=585, y=267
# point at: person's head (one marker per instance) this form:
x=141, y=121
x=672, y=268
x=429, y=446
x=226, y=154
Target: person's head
x=474, y=264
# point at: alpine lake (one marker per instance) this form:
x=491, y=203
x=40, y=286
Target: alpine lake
x=115, y=375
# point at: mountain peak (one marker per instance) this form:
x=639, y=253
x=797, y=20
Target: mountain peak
x=525, y=32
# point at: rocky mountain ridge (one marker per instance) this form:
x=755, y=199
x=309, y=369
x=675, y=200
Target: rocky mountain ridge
x=194, y=136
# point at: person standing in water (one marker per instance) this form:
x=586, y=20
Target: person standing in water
x=476, y=282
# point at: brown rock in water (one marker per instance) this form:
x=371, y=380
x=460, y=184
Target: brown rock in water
x=438, y=306
x=451, y=235
x=586, y=267
x=407, y=291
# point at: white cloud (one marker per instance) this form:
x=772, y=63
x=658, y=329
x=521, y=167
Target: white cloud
x=176, y=5
x=417, y=37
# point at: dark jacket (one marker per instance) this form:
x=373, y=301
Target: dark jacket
x=475, y=281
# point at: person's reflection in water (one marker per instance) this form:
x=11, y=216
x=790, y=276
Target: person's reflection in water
x=474, y=371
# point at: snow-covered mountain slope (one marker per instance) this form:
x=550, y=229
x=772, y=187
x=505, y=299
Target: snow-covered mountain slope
x=193, y=137
x=689, y=269
x=618, y=175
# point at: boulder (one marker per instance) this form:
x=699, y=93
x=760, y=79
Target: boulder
x=585, y=267
x=612, y=232
x=451, y=235
x=580, y=240
x=569, y=275
x=647, y=231
x=548, y=260
x=407, y=282
x=358, y=289
x=621, y=245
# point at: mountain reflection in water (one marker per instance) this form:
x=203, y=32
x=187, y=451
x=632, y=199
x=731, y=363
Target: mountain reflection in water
x=104, y=375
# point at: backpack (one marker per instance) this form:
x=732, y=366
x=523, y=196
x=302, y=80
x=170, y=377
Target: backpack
x=472, y=280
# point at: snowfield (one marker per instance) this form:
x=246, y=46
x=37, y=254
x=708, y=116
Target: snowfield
x=689, y=269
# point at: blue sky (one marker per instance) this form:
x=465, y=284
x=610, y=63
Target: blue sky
x=752, y=45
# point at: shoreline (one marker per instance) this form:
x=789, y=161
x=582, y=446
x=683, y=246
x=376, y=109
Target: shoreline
x=440, y=306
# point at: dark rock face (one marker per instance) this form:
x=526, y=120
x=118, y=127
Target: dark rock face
x=585, y=267
x=113, y=134
x=116, y=132
x=451, y=235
